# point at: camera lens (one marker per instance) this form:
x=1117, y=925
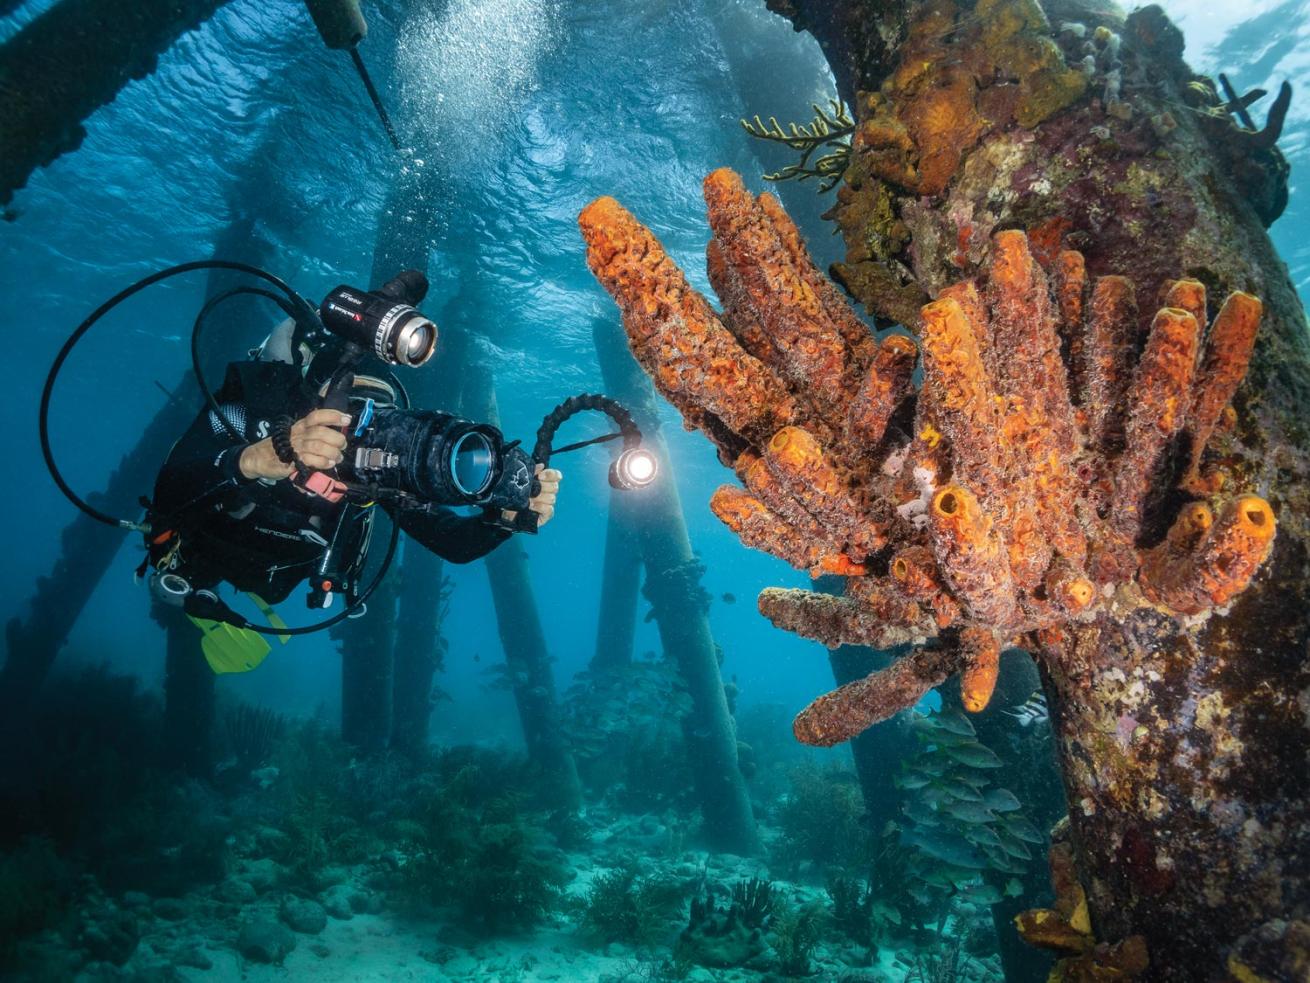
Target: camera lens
x=472, y=463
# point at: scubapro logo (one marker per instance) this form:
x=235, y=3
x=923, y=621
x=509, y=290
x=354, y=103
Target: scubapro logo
x=262, y=429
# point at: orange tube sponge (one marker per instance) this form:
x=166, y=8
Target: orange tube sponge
x=1109, y=348
x=982, y=664
x=840, y=715
x=1161, y=564
x=1068, y=588
x=1227, y=354
x=836, y=621
x=760, y=528
x=824, y=490
x=1221, y=565
x=811, y=353
x=1027, y=367
x=914, y=570
x=854, y=331
x=965, y=293
x=673, y=331
x=1189, y=296
x=1157, y=399
x=1004, y=515
x=957, y=387
x=827, y=556
x=886, y=382
x=971, y=556
x=738, y=319
x=1025, y=336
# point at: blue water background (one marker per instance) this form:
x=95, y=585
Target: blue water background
x=527, y=111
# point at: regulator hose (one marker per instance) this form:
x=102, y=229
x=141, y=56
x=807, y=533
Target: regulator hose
x=215, y=609
x=295, y=302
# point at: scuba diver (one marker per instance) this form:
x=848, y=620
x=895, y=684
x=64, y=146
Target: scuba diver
x=279, y=479
x=255, y=497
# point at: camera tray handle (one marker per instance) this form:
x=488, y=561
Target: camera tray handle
x=312, y=482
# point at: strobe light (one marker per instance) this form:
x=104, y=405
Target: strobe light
x=375, y=321
x=636, y=467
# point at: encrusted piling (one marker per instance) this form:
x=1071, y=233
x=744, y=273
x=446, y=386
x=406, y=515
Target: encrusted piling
x=680, y=608
x=527, y=658
x=1058, y=435
x=70, y=61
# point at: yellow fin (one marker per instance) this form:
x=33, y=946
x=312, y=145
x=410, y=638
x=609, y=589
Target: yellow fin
x=274, y=619
x=230, y=649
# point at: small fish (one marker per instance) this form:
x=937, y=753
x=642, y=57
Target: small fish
x=942, y=729
x=920, y=813
x=911, y=780
x=1033, y=711
x=1000, y=800
x=983, y=836
x=937, y=877
x=729, y=598
x=1013, y=888
x=1021, y=828
x=933, y=765
x=963, y=792
x=477, y=656
x=973, y=755
x=954, y=722
x=948, y=847
x=1015, y=849
x=971, y=812
x=1002, y=861
x=935, y=796
x=986, y=894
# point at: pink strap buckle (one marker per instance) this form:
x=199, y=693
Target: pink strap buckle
x=319, y=483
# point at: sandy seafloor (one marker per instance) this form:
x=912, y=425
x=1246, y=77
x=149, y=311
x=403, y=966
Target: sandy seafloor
x=199, y=937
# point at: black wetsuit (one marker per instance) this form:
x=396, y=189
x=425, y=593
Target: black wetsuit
x=266, y=537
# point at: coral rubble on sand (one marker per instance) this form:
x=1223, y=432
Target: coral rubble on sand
x=1054, y=463
x=449, y=864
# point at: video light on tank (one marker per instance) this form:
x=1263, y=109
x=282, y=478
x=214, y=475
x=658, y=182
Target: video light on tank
x=636, y=467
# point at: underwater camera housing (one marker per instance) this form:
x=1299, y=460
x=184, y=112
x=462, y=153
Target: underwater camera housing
x=424, y=457
x=416, y=458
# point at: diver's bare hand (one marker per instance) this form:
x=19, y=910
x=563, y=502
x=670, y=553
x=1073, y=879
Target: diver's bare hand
x=316, y=440
x=543, y=503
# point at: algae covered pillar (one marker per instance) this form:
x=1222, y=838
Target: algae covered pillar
x=187, y=740
x=1105, y=461
x=527, y=658
x=404, y=240
x=1183, y=743
x=681, y=610
x=366, y=644
x=70, y=61
x=86, y=547
x=619, y=587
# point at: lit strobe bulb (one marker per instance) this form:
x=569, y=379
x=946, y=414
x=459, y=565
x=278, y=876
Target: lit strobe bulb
x=635, y=468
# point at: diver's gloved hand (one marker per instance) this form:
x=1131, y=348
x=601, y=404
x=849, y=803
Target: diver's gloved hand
x=543, y=503
x=315, y=438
